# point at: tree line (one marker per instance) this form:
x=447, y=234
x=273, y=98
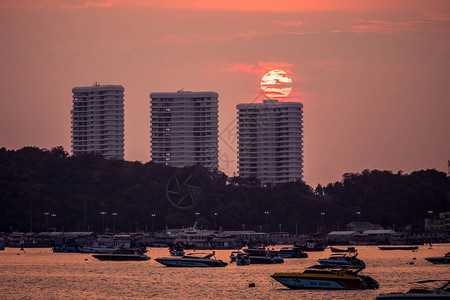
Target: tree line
x=44, y=190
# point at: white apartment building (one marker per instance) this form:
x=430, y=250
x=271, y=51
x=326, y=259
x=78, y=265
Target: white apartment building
x=184, y=129
x=98, y=120
x=270, y=141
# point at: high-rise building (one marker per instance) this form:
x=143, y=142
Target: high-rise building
x=98, y=120
x=184, y=129
x=270, y=141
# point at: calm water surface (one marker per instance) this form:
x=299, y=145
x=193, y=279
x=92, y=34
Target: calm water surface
x=39, y=273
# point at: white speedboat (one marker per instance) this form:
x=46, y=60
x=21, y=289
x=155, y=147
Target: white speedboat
x=343, y=260
x=192, y=260
x=428, y=289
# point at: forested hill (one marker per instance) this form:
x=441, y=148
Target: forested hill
x=77, y=189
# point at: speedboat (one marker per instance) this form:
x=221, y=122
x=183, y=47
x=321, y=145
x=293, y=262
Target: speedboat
x=427, y=289
x=326, y=278
x=440, y=260
x=122, y=255
x=349, y=249
x=261, y=255
x=343, y=260
x=192, y=260
x=292, y=252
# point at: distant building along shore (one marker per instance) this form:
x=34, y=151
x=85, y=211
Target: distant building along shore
x=270, y=141
x=98, y=120
x=184, y=129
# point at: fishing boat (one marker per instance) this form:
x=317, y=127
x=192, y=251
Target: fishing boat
x=343, y=260
x=426, y=289
x=260, y=255
x=326, y=278
x=338, y=250
x=411, y=248
x=122, y=255
x=192, y=260
x=440, y=260
x=292, y=252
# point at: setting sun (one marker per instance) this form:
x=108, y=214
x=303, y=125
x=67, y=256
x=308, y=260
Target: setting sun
x=275, y=84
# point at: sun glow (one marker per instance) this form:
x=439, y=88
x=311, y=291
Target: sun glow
x=275, y=84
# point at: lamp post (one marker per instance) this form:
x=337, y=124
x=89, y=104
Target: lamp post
x=54, y=221
x=279, y=225
x=267, y=216
x=46, y=214
x=323, y=222
x=243, y=227
x=103, y=213
x=114, y=214
x=153, y=223
x=296, y=230
x=196, y=216
x=215, y=221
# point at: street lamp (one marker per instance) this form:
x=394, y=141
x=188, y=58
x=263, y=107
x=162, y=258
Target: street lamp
x=114, y=214
x=153, y=223
x=279, y=225
x=215, y=221
x=54, y=222
x=243, y=227
x=46, y=214
x=323, y=222
x=267, y=216
x=196, y=215
x=103, y=213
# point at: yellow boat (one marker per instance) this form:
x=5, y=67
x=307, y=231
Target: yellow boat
x=326, y=277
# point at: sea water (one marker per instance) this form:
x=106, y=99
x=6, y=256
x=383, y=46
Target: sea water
x=37, y=273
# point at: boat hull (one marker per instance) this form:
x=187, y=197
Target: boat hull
x=294, y=282
x=410, y=248
x=417, y=296
x=439, y=260
x=107, y=257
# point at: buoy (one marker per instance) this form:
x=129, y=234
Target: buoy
x=251, y=285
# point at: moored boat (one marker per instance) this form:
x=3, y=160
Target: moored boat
x=192, y=260
x=338, y=250
x=261, y=255
x=176, y=250
x=291, y=252
x=320, y=277
x=427, y=289
x=439, y=260
x=343, y=260
x=122, y=255
x=242, y=259
x=411, y=248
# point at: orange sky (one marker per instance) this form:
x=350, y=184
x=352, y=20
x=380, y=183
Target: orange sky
x=372, y=75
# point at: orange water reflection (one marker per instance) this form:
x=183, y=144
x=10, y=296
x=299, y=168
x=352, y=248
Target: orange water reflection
x=39, y=273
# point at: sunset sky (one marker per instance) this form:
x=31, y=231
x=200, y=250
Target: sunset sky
x=373, y=76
